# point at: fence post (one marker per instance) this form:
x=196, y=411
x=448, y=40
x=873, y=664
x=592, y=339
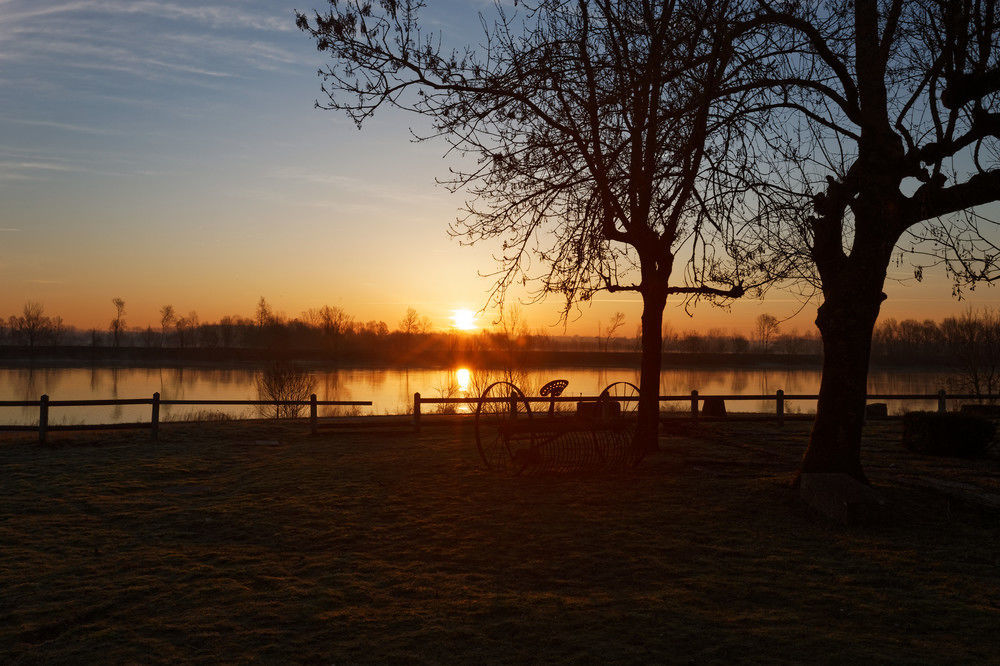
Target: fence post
x=779, y=402
x=942, y=404
x=154, y=424
x=416, y=411
x=694, y=404
x=43, y=419
x=313, y=414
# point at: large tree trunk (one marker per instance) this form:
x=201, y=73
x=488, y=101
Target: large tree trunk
x=647, y=431
x=845, y=321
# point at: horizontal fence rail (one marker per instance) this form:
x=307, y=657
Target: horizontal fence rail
x=44, y=404
x=149, y=401
x=779, y=397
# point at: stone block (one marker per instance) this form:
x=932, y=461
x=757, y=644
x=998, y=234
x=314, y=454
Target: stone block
x=714, y=407
x=876, y=411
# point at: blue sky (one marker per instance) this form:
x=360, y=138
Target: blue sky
x=169, y=152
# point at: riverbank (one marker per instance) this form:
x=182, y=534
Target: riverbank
x=225, y=542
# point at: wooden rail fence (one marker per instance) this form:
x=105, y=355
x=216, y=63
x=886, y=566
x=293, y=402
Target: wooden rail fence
x=779, y=397
x=44, y=404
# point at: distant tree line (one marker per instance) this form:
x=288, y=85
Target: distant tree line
x=332, y=329
x=955, y=340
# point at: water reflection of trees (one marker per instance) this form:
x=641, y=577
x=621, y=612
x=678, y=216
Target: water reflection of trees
x=116, y=411
x=738, y=381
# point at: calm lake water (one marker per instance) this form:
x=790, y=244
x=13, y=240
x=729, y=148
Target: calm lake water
x=391, y=389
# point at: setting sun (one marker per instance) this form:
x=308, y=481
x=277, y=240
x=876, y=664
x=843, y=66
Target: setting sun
x=464, y=320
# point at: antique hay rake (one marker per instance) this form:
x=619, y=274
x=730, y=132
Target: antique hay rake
x=599, y=435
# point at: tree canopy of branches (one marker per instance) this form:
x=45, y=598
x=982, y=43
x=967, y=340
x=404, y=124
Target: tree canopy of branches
x=765, y=330
x=587, y=128
x=33, y=326
x=885, y=141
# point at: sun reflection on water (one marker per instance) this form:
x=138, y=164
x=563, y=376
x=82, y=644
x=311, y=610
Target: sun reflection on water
x=464, y=378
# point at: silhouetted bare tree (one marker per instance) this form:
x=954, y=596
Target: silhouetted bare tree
x=117, y=327
x=334, y=323
x=414, y=324
x=263, y=317
x=167, y=320
x=616, y=321
x=592, y=124
x=185, y=328
x=765, y=329
x=884, y=128
x=974, y=339
x=32, y=327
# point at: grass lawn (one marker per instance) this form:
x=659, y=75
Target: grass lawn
x=367, y=546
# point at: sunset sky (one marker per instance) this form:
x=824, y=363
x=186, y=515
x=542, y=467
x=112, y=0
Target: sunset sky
x=169, y=152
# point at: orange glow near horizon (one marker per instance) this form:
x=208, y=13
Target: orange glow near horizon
x=464, y=320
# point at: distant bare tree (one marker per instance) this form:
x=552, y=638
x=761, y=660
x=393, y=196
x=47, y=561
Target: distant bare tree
x=766, y=328
x=168, y=318
x=378, y=329
x=117, y=326
x=616, y=321
x=227, y=331
x=185, y=327
x=263, y=317
x=333, y=322
x=974, y=339
x=33, y=327
x=513, y=329
x=208, y=336
x=414, y=324
x=792, y=343
x=669, y=336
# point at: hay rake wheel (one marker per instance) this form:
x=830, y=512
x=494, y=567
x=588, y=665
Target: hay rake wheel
x=503, y=428
x=626, y=394
x=618, y=444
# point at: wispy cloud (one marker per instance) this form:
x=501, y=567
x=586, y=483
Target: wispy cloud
x=255, y=52
x=69, y=127
x=189, y=69
x=215, y=16
x=357, y=186
x=43, y=166
x=94, y=42
x=11, y=169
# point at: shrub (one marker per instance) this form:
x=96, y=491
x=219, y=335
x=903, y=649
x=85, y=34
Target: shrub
x=284, y=381
x=947, y=434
